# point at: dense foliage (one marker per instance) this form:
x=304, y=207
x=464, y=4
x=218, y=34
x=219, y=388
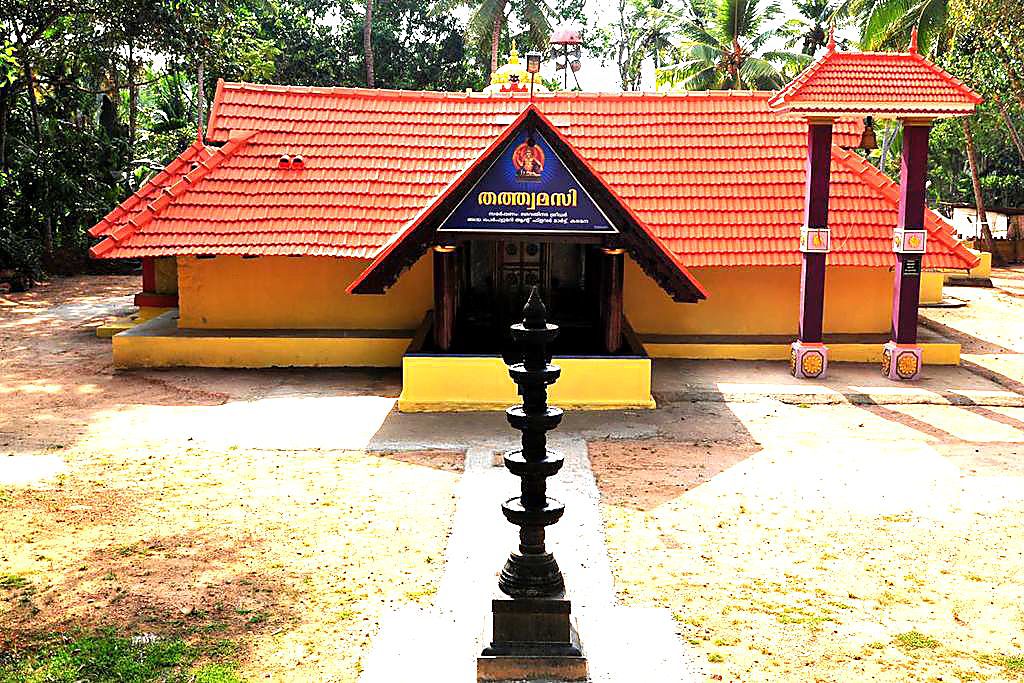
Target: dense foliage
x=96, y=95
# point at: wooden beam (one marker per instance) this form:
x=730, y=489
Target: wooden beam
x=611, y=298
x=445, y=294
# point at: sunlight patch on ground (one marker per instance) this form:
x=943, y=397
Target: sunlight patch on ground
x=30, y=469
x=273, y=423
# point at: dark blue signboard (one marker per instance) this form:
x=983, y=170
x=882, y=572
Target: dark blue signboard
x=528, y=189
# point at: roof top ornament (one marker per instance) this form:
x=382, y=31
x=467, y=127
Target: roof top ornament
x=913, y=41
x=831, y=39
x=514, y=77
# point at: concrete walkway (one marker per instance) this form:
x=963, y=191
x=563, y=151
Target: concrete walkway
x=855, y=383
x=441, y=644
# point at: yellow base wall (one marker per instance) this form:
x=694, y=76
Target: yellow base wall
x=280, y=292
x=931, y=354
x=118, y=325
x=759, y=301
x=454, y=383
x=141, y=348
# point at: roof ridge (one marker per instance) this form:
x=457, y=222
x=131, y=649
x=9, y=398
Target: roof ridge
x=888, y=189
x=437, y=95
x=168, y=194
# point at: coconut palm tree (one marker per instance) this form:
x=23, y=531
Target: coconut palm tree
x=809, y=31
x=490, y=17
x=725, y=47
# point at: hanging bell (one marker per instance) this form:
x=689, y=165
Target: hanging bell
x=867, y=137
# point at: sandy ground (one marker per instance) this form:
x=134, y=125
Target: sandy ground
x=168, y=503
x=837, y=543
x=991, y=327
x=818, y=543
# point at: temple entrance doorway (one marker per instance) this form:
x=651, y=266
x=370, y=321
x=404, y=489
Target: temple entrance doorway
x=495, y=277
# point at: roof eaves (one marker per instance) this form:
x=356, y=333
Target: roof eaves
x=937, y=227
x=124, y=231
x=111, y=220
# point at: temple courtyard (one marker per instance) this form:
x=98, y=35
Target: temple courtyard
x=290, y=525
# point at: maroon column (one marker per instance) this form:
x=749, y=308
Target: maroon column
x=812, y=280
x=809, y=356
x=445, y=292
x=149, y=275
x=913, y=176
x=611, y=298
x=901, y=357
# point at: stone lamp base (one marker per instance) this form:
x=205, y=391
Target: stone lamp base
x=532, y=638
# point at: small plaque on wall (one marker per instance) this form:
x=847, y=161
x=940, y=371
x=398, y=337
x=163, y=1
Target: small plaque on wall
x=911, y=266
x=815, y=240
x=906, y=241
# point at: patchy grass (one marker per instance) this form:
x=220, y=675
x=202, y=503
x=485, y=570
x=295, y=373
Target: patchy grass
x=12, y=581
x=915, y=640
x=106, y=657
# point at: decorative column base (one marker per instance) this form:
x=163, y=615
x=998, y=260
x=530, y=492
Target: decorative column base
x=532, y=638
x=808, y=360
x=901, y=362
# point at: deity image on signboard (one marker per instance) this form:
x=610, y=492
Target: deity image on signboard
x=528, y=160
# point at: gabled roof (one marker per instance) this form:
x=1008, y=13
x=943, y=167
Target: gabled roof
x=641, y=243
x=717, y=177
x=899, y=84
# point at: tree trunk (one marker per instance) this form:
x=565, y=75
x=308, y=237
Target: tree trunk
x=368, y=43
x=200, y=96
x=133, y=112
x=4, y=94
x=1014, y=135
x=499, y=20
x=979, y=202
x=890, y=135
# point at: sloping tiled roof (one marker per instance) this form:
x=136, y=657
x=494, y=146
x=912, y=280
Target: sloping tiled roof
x=717, y=176
x=879, y=83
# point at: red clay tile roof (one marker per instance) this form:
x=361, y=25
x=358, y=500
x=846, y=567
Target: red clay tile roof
x=879, y=83
x=717, y=176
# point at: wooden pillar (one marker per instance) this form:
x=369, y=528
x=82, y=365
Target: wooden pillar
x=611, y=297
x=809, y=356
x=445, y=295
x=901, y=358
x=149, y=275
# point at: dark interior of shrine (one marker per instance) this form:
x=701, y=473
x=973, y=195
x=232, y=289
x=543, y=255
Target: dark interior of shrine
x=493, y=280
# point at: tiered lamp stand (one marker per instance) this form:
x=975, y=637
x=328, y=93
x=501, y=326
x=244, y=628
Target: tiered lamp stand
x=532, y=634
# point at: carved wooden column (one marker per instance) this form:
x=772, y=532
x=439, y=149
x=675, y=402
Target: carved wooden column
x=445, y=295
x=611, y=298
x=809, y=355
x=901, y=357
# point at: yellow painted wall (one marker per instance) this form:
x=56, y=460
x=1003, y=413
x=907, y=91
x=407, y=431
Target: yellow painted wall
x=759, y=300
x=429, y=383
x=931, y=287
x=281, y=292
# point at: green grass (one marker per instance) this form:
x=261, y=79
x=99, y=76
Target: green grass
x=915, y=640
x=106, y=657
x=12, y=581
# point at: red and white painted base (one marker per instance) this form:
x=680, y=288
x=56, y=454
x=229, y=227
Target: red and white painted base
x=901, y=362
x=808, y=360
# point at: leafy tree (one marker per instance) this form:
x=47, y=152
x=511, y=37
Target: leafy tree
x=810, y=30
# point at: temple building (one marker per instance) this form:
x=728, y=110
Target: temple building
x=357, y=227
